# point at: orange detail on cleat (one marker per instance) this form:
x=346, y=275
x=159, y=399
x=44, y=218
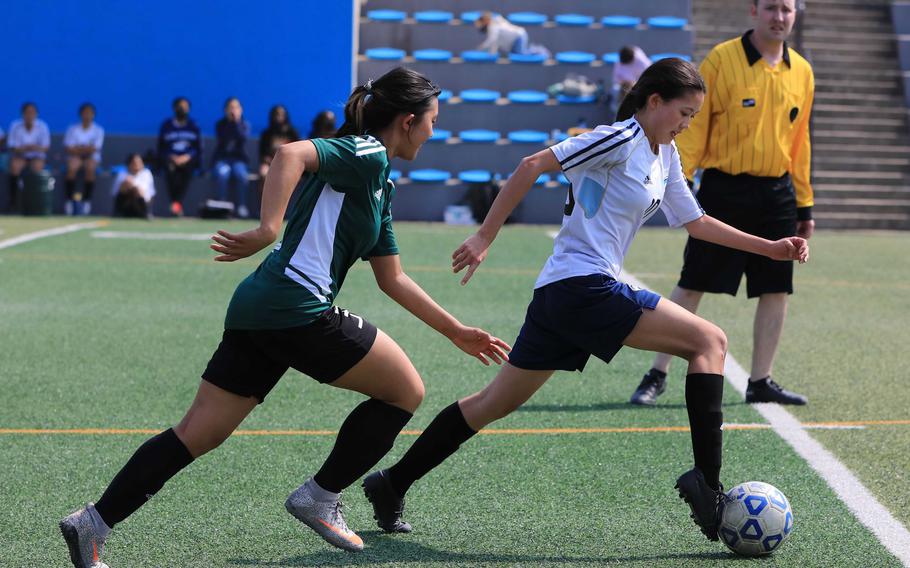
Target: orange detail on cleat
x=349, y=536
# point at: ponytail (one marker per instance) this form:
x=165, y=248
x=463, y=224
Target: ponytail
x=375, y=104
x=670, y=78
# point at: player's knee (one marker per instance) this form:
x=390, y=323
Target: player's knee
x=713, y=343
x=410, y=395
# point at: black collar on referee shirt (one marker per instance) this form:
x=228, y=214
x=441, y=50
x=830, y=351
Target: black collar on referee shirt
x=753, y=55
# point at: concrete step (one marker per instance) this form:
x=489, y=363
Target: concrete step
x=859, y=86
x=860, y=191
x=819, y=146
x=859, y=99
x=884, y=221
x=838, y=109
x=862, y=163
x=864, y=205
x=870, y=123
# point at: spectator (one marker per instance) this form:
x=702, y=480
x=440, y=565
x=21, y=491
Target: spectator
x=133, y=189
x=323, y=125
x=28, y=141
x=83, y=152
x=632, y=63
x=279, y=132
x=230, y=156
x=504, y=37
x=179, y=149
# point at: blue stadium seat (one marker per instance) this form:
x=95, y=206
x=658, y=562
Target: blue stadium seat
x=542, y=179
x=659, y=56
x=528, y=137
x=394, y=175
x=620, y=21
x=532, y=58
x=471, y=16
x=527, y=18
x=474, y=56
x=575, y=57
x=479, y=96
x=570, y=100
x=560, y=135
x=432, y=55
x=385, y=54
x=611, y=58
x=667, y=22
x=433, y=17
x=577, y=20
x=479, y=135
x=440, y=135
x=475, y=176
x=386, y=15
x=561, y=178
x=429, y=176
x=118, y=169
x=528, y=97
x=445, y=95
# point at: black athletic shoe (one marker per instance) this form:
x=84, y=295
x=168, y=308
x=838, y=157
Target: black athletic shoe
x=387, y=505
x=767, y=390
x=707, y=504
x=652, y=385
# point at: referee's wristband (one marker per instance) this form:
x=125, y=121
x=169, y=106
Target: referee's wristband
x=804, y=213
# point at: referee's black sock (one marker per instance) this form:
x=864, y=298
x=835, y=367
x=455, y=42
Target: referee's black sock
x=13, y=192
x=156, y=461
x=704, y=393
x=442, y=438
x=366, y=435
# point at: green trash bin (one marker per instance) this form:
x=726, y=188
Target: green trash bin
x=38, y=193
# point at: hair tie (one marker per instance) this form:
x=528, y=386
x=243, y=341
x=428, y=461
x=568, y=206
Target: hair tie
x=369, y=86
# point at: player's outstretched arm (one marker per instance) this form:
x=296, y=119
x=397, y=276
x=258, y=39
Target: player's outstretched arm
x=474, y=250
x=289, y=163
x=397, y=285
x=709, y=229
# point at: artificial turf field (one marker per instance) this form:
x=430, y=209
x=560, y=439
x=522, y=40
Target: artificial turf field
x=112, y=333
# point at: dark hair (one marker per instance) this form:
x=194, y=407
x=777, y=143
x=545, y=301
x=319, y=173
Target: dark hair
x=178, y=100
x=131, y=156
x=228, y=101
x=374, y=105
x=323, y=125
x=670, y=78
x=27, y=104
x=273, y=116
x=86, y=105
x=626, y=54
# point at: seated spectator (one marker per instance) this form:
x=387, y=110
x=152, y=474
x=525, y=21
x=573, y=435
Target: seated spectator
x=279, y=132
x=230, y=156
x=323, y=125
x=632, y=63
x=28, y=141
x=504, y=37
x=133, y=189
x=179, y=150
x=83, y=143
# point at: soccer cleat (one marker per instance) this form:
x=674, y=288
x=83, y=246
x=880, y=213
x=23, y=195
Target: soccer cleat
x=323, y=517
x=84, y=542
x=766, y=390
x=651, y=386
x=387, y=505
x=707, y=504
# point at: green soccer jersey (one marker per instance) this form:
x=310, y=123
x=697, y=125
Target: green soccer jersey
x=342, y=214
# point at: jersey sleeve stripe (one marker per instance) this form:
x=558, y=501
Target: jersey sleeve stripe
x=566, y=168
x=368, y=151
x=598, y=143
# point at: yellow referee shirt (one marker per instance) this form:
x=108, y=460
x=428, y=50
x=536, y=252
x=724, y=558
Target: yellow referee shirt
x=755, y=119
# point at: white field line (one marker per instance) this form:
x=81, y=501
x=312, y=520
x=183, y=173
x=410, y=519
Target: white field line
x=864, y=506
x=49, y=233
x=151, y=236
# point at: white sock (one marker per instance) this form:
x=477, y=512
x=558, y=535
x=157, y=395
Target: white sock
x=100, y=526
x=319, y=493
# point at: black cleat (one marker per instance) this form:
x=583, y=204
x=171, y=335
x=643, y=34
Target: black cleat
x=387, y=505
x=707, y=504
x=766, y=390
x=652, y=385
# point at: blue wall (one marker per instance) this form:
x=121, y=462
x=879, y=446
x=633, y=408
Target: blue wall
x=131, y=58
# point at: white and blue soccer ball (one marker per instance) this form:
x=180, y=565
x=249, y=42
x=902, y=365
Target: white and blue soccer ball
x=756, y=520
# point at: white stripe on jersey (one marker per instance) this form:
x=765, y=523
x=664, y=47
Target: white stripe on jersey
x=369, y=150
x=600, y=142
x=313, y=256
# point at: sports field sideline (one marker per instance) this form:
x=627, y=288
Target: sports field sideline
x=105, y=330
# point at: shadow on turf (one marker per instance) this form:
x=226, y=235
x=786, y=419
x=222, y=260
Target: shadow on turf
x=382, y=548
x=603, y=406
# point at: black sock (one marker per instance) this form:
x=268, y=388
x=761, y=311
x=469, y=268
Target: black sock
x=366, y=435
x=89, y=188
x=657, y=373
x=156, y=461
x=70, y=187
x=13, y=191
x=704, y=394
x=442, y=438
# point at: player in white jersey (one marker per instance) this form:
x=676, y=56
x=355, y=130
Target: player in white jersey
x=83, y=143
x=620, y=174
x=28, y=141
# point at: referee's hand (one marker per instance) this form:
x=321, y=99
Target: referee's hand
x=790, y=248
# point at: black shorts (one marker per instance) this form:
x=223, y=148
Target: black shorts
x=250, y=362
x=760, y=206
x=570, y=320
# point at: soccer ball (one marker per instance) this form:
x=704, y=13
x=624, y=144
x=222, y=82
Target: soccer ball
x=756, y=519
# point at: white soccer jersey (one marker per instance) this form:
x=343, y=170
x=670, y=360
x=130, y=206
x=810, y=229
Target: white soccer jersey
x=39, y=135
x=617, y=183
x=91, y=136
x=144, y=182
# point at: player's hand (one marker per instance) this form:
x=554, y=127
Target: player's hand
x=470, y=254
x=790, y=248
x=481, y=345
x=234, y=246
x=805, y=228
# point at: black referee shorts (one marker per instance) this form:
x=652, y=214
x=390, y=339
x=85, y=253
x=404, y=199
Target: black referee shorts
x=250, y=362
x=761, y=206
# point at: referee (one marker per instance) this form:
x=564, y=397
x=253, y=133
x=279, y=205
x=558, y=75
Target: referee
x=752, y=139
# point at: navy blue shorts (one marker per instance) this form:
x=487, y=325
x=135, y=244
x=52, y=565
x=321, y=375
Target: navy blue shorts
x=572, y=319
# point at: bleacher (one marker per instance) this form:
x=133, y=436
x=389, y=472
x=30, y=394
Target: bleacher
x=496, y=110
